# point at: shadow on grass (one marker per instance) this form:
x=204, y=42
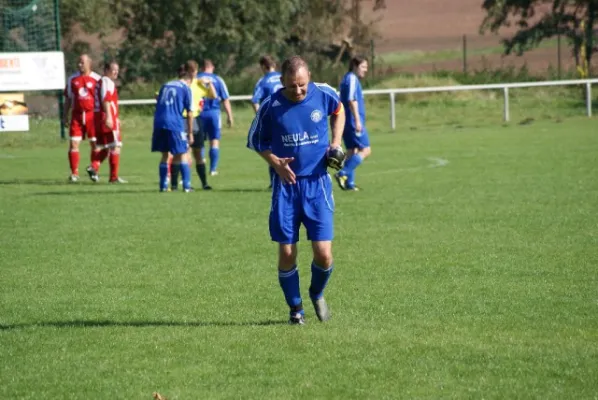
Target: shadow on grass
x=133, y=324
x=85, y=188
x=99, y=192
x=35, y=181
x=242, y=190
x=94, y=192
x=59, y=182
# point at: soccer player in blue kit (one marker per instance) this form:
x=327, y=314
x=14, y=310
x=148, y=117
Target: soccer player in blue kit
x=266, y=86
x=169, y=134
x=355, y=135
x=211, y=123
x=290, y=131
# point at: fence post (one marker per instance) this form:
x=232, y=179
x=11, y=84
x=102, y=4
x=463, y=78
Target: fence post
x=60, y=96
x=559, y=56
x=589, y=99
x=373, y=56
x=392, y=111
x=506, y=116
x=465, y=54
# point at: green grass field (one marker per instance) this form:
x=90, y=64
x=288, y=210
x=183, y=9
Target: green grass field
x=466, y=268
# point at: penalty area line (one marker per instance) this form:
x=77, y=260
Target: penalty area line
x=435, y=162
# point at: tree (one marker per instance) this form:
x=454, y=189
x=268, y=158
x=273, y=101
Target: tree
x=328, y=30
x=162, y=34
x=95, y=18
x=537, y=20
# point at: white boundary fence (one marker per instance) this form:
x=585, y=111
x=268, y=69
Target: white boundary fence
x=393, y=92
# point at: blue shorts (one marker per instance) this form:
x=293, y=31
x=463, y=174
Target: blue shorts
x=308, y=202
x=164, y=140
x=354, y=140
x=211, y=125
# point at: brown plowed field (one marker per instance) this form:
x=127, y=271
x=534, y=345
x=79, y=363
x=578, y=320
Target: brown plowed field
x=436, y=25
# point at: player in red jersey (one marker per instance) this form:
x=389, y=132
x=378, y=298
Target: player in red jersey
x=79, y=92
x=108, y=136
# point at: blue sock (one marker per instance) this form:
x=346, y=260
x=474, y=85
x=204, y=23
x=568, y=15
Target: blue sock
x=186, y=175
x=289, y=282
x=203, y=153
x=163, y=176
x=319, y=279
x=214, y=156
x=351, y=179
x=351, y=164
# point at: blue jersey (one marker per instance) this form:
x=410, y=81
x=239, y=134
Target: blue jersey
x=298, y=130
x=266, y=86
x=174, y=98
x=351, y=91
x=213, y=105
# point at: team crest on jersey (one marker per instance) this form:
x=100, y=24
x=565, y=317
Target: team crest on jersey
x=83, y=92
x=89, y=85
x=316, y=115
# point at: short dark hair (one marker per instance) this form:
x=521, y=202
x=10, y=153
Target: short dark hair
x=292, y=65
x=185, y=71
x=193, y=64
x=267, y=61
x=109, y=64
x=356, y=62
x=208, y=63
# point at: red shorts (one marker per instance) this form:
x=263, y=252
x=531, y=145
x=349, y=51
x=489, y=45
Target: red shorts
x=83, y=126
x=107, y=139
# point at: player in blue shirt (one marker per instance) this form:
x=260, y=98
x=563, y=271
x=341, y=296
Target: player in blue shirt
x=355, y=135
x=170, y=133
x=210, y=115
x=290, y=131
x=266, y=86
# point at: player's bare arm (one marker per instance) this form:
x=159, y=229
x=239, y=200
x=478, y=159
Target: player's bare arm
x=67, y=111
x=355, y=111
x=211, y=89
x=280, y=165
x=337, y=122
x=190, y=126
x=109, y=122
x=229, y=112
x=255, y=106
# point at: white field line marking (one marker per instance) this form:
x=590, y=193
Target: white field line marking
x=435, y=162
x=7, y=156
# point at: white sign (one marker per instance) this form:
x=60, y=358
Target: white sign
x=14, y=123
x=32, y=71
